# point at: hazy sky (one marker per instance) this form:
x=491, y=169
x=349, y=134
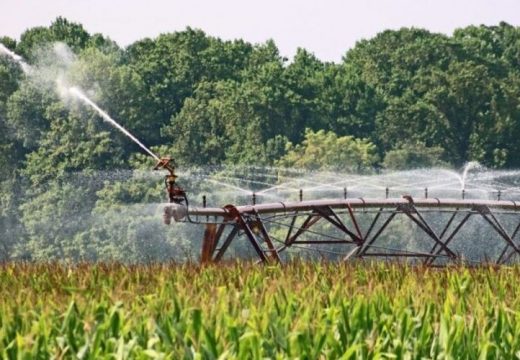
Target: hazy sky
x=326, y=27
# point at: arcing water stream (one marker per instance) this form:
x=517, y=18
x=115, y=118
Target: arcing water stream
x=80, y=95
x=17, y=58
x=76, y=92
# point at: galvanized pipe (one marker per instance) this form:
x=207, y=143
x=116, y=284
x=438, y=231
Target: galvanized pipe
x=359, y=203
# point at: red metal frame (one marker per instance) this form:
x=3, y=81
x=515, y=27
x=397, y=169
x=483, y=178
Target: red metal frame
x=348, y=217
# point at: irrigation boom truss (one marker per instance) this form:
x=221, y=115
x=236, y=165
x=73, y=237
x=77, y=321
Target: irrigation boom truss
x=433, y=231
x=356, y=223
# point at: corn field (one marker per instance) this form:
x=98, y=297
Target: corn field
x=243, y=311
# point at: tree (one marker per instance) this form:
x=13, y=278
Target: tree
x=413, y=156
x=456, y=110
x=380, y=72
x=173, y=65
x=118, y=89
x=325, y=150
x=10, y=75
x=62, y=182
x=352, y=104
x=233, y=122
x=72, y=34
x=26, y=114
x=491, y=44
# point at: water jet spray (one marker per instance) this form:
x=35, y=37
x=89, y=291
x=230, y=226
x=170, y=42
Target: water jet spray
x=17, y=58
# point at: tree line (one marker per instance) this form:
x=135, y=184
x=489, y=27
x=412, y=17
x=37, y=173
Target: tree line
x=405, y=98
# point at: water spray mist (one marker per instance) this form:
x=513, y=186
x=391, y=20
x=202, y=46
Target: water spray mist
x=17, y=58
x=80, y=95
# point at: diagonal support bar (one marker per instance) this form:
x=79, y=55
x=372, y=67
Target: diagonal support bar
x=328, y=214
x=364, y=247
x=503, y=258
x=486, y=213
x=449, y=239
x=409, y=210
x=272, y=249
x=311, y=220
x=225, y=245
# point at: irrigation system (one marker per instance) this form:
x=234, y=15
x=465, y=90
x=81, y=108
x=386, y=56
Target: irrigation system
x=433, y=231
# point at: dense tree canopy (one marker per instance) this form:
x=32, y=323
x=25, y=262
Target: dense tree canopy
x=325, y=150
x=405, y=98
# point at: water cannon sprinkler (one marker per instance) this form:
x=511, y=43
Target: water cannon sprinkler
x=176, y=195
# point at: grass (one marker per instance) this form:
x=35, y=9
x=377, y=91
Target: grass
x=305, y=310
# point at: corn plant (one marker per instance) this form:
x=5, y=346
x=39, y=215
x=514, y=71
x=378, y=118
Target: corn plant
x=244, y=311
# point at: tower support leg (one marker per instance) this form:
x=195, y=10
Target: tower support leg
x=208, y=243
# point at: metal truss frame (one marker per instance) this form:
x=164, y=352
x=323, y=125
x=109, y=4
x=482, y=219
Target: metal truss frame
x=254, y=224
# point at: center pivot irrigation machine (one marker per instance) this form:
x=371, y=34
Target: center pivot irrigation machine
x=433, y=231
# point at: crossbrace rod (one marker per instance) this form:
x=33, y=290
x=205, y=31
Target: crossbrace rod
x=270, y=237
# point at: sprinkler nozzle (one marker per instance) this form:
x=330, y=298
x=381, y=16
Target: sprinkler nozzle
x=176, y=194
x=167, y=164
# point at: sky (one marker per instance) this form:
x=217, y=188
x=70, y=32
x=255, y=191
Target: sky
x=328, y=28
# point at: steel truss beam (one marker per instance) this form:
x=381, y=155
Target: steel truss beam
x=313, y=225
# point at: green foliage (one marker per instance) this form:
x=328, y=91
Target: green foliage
x=439, y=90
x=69, y=190
x=26, y=115
x=229, y=122
x=118, y=89
x=73, y=143
x=413, y=156
x=306, y=311
x=173, y=65
x=325, y=150
x=10, y=75
x=11, y=229
x=52, y=219
x=72, y=34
